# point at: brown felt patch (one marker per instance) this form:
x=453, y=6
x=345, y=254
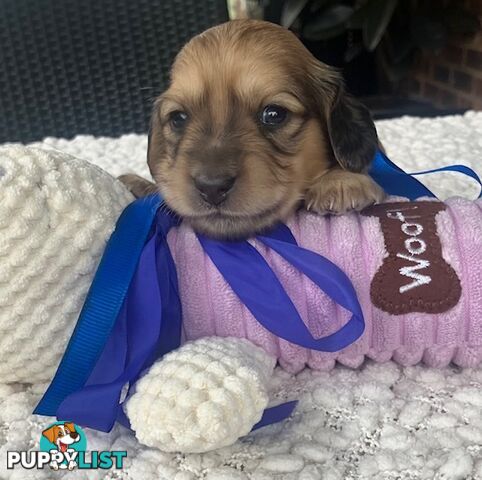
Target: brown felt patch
x=414, y=277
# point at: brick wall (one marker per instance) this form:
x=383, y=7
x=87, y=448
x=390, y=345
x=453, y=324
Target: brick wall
x=453, y=77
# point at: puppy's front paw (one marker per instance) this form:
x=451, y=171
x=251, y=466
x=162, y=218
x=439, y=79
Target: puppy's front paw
x=139, y=187
x=339, y=191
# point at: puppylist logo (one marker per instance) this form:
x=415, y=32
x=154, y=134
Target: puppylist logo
x=63, y=446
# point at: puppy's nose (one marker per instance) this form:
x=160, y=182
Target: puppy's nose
x=214, y=190
x=74, y=435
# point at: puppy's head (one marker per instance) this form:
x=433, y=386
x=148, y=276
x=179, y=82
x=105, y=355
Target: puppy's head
x=61, y=435
x=250, y=119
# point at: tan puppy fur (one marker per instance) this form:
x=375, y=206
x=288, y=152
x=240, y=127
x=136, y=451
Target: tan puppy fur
x=209, y=126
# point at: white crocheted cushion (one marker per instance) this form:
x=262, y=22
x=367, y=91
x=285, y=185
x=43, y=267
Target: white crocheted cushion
x=201, y=397
x=56, y=215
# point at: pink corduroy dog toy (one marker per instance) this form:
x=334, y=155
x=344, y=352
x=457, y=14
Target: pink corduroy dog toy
x=416, y=268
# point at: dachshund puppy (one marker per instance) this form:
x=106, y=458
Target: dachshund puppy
x=251, y=126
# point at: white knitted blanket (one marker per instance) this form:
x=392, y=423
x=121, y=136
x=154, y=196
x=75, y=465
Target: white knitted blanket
x=378, y=422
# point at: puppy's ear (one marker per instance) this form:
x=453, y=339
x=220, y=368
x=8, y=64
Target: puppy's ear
x=351, y=131
x=155, y=137
x=51, y=433
x=70, y=426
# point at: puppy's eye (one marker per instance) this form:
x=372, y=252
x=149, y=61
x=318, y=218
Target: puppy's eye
x=273, y=115
x=178, y=120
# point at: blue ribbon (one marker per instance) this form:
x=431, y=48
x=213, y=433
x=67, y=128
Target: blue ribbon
x=102, y=305
x=132, y=313
x=395, y=181
x=253, y=281
x=148, y=326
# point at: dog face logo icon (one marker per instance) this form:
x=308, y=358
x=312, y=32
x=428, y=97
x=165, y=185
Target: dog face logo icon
x=62, y=435
x=63, y=440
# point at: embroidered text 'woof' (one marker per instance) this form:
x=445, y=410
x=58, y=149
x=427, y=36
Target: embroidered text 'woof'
x=414, y=277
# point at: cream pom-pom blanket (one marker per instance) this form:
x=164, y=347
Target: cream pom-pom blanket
x=379, y=422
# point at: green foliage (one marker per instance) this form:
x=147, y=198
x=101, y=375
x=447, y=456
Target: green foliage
x=412, y=23
x=395, y=28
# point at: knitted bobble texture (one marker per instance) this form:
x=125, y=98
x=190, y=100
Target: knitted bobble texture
x=201, y=397
x=56, y=215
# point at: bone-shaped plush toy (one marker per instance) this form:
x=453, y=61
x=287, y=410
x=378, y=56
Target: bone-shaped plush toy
x=415, y=268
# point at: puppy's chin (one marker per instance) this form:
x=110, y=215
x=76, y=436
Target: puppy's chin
x=220, y=224
x=234, y=220
x=223, y=226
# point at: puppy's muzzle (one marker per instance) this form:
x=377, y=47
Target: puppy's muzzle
x=214, y=190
